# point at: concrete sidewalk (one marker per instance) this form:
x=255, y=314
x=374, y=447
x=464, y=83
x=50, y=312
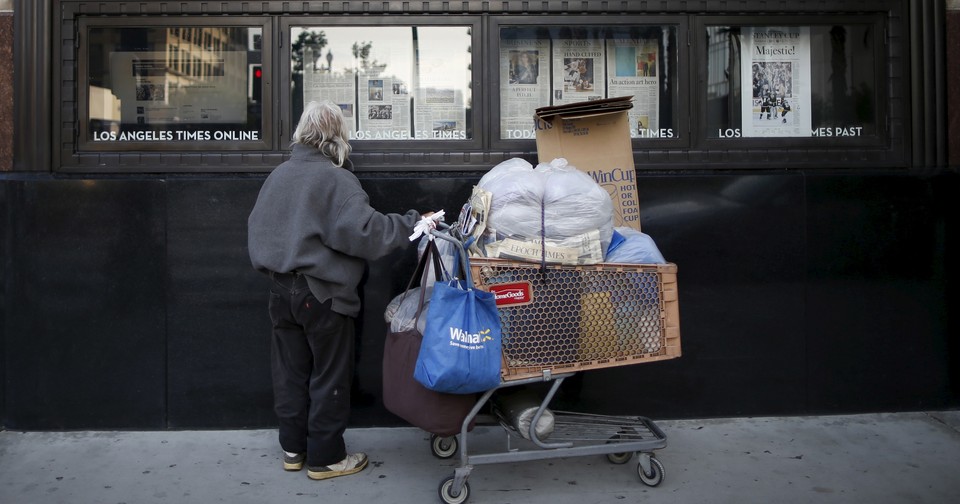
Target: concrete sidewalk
x=873, y=458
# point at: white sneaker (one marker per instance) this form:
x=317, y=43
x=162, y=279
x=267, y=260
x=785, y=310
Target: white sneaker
x=353, y=463
x=293, y=461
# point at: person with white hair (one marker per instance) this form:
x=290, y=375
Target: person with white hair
x=312, y=230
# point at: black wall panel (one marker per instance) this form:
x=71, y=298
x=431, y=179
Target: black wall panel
x=131, y=303
x=86, y=329
x=128, y=301
x=218, y=337
x=876, y=306
x=738, y=244
x=946, y=189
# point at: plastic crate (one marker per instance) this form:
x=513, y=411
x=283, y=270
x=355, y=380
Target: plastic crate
x=573, y=318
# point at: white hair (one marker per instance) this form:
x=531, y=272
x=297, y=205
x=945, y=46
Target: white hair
x=322, y=126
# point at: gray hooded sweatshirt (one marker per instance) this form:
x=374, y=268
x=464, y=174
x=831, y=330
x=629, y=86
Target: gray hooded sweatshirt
x=314, y=218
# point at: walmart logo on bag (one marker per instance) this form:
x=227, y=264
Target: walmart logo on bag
x=462, y=336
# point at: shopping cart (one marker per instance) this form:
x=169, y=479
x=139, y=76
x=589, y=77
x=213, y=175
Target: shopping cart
x=557, y=321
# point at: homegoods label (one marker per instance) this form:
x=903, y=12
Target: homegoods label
x=512, y=294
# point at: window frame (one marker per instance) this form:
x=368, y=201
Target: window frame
x=368, y=150
x=84, y=145
x=881, y=78
x=681, y=106
x=894, y=146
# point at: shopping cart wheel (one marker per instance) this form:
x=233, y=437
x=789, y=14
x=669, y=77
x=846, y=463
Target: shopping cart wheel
x=443, y=447
x=621, y=457
x=655, y=476
x=446, y=492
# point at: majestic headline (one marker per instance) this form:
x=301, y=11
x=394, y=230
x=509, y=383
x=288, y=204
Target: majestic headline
x=782, y=43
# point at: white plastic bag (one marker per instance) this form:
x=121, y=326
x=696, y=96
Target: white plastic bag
x=553, y=200
x=574, y=203
x=517, y=195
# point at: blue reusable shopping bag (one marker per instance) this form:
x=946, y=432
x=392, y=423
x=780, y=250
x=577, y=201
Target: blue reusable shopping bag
x=460, y=352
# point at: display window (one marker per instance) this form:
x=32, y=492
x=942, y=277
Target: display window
x=774, y=80
x=181, y=86
x=548, y=64
x=451, y=92
x=409, y=83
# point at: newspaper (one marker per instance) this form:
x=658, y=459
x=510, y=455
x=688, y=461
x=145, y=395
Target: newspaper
x=384, y=108
x=581, y=249
x=337, y=87
x=578, y=71
x=524, y=85
x=440, y=113
x=776, y=65
x=632, y=65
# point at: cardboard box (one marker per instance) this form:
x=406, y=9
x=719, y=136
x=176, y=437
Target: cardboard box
x=594, y=136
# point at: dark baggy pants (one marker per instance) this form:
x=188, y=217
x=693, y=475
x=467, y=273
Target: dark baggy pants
x=312, y=355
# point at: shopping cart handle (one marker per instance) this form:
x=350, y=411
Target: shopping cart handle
x=443, y=232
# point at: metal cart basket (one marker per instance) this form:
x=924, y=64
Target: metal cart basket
x=576, y=318
x=560, y=320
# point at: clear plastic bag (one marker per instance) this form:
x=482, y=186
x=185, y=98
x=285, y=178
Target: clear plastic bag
x=401, y=312
x=519, y=407
x=448, y=257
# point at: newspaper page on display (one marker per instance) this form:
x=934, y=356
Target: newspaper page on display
x=384, y=108
x=776, y=65
x=578, y=71
x=440, y=114
x=150, y=95
x=441, y=71
x=340, y=88
x=524, y=85
x=633, y=71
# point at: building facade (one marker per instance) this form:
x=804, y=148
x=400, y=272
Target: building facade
x=794, y=159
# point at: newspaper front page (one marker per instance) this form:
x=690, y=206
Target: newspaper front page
x=579, y=71
x=632, y=66
x=384, y=108
x=776, y=65
x=524, y=85
x=440, y=114
x=340, y=88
